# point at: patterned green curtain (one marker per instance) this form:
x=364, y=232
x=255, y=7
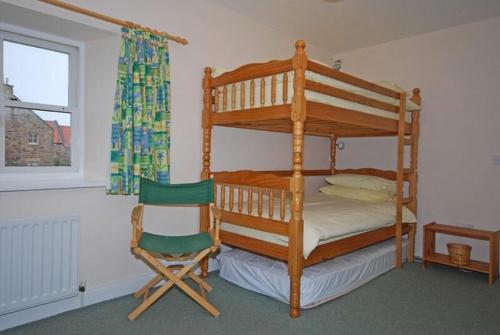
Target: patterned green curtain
x=140, y=140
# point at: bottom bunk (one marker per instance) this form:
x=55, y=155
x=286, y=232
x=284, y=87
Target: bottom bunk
x=319, y=283
x=256, y=215
x=327, y=218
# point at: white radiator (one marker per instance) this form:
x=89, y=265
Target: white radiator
x=39, y=261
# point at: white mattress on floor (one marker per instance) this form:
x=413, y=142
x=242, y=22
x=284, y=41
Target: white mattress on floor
x=311, y=95
x=319, y=283
x=328, y=218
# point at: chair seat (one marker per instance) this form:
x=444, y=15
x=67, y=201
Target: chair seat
x=175, y=244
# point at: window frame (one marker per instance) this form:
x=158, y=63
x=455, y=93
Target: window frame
x=76, y=52
x=33, y=139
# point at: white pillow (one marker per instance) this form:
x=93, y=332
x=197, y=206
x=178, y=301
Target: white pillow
x=363, y=181
x=357, y=193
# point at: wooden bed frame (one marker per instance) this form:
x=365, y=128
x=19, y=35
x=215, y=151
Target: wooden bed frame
x=301, y=117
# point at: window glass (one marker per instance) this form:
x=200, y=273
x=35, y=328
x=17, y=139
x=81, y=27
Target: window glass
x=40, y=112
x=37, y=138
x=33, y=138
x=36, y=75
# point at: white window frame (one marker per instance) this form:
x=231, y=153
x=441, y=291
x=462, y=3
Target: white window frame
x=20, y=175
x=33, y=138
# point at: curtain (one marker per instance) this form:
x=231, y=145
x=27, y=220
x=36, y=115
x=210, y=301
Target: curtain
x=140, y=133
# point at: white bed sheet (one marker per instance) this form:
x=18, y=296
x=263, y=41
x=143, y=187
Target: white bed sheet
x=319, y=283
x=311, y=95
x=328, y=218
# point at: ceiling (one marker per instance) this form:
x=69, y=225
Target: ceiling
x=344, y=25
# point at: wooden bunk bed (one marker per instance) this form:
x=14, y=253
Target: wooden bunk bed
x=247, y=198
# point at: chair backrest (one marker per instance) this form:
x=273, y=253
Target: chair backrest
x=153, y=193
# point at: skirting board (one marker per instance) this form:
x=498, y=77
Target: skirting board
x=91, y=296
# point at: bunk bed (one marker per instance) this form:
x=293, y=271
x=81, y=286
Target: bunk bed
x=303, y=97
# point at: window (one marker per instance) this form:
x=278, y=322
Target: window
x=39, y=105
x=33, y=138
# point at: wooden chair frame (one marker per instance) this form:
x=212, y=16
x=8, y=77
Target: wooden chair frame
x=299, y=118
x=171, y=274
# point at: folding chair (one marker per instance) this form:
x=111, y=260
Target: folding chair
x=192, y=248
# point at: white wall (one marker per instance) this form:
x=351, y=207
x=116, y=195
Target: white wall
x=216, y=36
x=458, y=72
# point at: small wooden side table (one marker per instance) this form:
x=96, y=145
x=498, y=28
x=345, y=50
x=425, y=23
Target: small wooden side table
x=431, y=256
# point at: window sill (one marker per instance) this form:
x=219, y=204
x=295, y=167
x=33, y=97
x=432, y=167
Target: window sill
x=33, y=185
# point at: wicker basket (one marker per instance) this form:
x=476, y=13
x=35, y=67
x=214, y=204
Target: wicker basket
x=459, y=253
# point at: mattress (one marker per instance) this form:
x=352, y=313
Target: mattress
x=311, y=95
x=328, y=218
x=319, y=283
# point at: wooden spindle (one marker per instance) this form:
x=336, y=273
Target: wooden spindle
x=252, y=93
x=233, y=97
x=223, y=196
x=333, y=153
x=273, y=90
x=282, y=205
x=262, y=92
x=242, y=95
x=216, y=100
x=250, y=200
x=231, y=198
x=224, y=99
x=240, y=199
x=285, y=88
x=260, y=202
x=271, y=203
x=215, y=195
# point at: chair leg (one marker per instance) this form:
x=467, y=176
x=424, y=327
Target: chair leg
x=145, y=289
x=199, y=281
x=193, y=294
x=176, y=278
x=149, y=301
x=173, y=279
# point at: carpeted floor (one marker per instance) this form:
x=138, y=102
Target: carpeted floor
x=437, y=301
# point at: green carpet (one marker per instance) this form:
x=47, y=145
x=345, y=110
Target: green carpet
x=437, y=301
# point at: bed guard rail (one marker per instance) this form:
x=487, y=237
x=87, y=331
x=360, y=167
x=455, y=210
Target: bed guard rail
x=253, y=200
x=252, y=86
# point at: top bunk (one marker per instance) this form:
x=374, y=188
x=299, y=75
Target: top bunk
x=261, y=96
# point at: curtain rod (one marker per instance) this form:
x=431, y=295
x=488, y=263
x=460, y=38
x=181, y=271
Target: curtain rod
x=113, y=20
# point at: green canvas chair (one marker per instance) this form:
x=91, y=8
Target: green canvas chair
x=151, y=247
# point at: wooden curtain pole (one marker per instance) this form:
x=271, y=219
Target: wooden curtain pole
x=113, y=20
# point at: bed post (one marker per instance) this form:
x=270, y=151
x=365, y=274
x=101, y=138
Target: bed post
x=399, y=179
x=413, y=176
x=415, y=129
x=333, y=153
x=205, y=172
x=295, y=240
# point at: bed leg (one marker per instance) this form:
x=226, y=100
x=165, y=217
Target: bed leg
x=294, y=297
x=204, y=267
x=411, y=242
x=207, y=139
x=296, y=227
